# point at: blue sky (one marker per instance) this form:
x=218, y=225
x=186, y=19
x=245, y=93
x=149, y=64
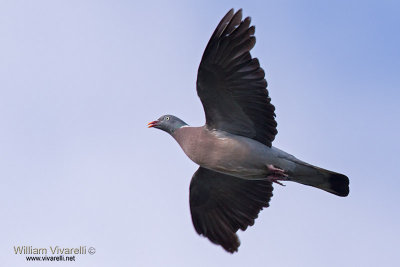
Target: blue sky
x=79, y=80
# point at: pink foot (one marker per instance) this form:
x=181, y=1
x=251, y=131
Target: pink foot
x=276, y=174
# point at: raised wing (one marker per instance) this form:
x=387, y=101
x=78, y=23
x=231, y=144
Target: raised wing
x=221, y=204
x=231, y=84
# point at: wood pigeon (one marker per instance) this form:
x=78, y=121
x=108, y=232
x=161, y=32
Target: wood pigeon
x=237, y=162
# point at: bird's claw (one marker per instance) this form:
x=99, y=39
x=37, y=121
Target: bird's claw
x=276, y=175
x=275, y=180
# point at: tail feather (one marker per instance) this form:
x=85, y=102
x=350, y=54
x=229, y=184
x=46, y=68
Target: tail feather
x=339, y=184
x=307, y=174
x=329, y=181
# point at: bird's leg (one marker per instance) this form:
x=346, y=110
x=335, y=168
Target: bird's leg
x=275, y=174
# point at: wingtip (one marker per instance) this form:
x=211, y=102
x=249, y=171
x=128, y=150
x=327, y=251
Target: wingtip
x=230, y=12
x=233, y=246
x=247, y=20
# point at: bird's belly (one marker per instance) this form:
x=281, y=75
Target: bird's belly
x=239, y=156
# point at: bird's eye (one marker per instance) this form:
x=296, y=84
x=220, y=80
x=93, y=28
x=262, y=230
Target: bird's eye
x=167, y=118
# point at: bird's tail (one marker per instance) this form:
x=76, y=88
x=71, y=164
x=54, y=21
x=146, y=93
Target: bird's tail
x=329, y=181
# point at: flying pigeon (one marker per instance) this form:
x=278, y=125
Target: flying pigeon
x=238, y=163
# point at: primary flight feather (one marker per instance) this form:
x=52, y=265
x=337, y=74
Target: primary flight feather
x=238, y=163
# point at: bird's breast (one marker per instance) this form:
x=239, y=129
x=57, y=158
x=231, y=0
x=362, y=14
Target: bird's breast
x=223, y=152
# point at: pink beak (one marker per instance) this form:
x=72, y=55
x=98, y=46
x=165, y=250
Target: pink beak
x=152, y=124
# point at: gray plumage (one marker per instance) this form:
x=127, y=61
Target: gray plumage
x=238, y=163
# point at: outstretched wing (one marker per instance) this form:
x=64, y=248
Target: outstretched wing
x=221, y=204
x=231, y=84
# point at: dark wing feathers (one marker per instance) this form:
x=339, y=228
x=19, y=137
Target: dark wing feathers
x=231, y=84
x=232, y=89
x=221, y=204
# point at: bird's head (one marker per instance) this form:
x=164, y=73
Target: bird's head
x=167, y=123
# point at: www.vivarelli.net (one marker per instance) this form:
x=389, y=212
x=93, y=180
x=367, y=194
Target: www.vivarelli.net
x=53, y=253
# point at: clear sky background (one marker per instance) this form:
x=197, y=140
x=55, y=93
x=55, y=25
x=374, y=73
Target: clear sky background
x=79, y=80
